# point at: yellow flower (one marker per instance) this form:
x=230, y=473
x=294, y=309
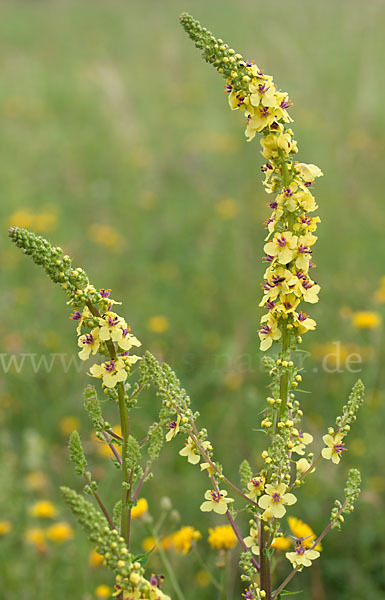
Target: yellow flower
x=256, y=486
x=37, y=222
x=281, y=543
x=43, y=509
x=252, y=540
x=275, y=499
x=222, y=536
x=379, y=294
x=302, y=465
x=308, y=172
x=303, y=323
x=184, y=538
x=334, y=447
x=111, y=372
x=216, y=501
x=139, y=509
x=301, y=440
x=60, y=532
x=68, y=424
x=103, y=591
x=5, y=527
x=36, y=537
x=158, y=324
x=268, y=333
x=202, y=579
x=191, y=451
x=302, y=556
x=173, y=429
x=227, y=208
x=105, y=235
x=366, y=320
x=95, y=559
x=302, y=531
x=283, y=246
x=36, y=480
x=89, y=342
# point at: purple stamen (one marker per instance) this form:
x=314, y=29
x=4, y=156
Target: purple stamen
x=104, y=293
x=287, y=192
x=75, y=315
x=277, y=280
x=88, y=339
x=304, y=249
x=113, y=321
x=126, y=353
x=265, y=111
x=307, y=285
x=302, y=316
x=109, y=366
x=269, y=305
x=285, y=104
x=281, y=241
x=267, y=222
x=308, y=184
x=171, y=425
x=276, y=497
x=216, y=496
x=273, y=204
x=340, y=447
x=300, y=549
x=248, y=595
x=228, y=88
x=256, y=482
x=266, y=330
x=266, y=167
x=262, y=88
x=268, y=258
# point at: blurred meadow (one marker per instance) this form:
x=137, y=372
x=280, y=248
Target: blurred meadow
x=117, y=143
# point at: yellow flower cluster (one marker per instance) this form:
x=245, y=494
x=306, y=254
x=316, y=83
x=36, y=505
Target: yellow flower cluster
x=111, y=331
x=290, y=228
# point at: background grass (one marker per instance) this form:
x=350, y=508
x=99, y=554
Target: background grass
x=117, y=143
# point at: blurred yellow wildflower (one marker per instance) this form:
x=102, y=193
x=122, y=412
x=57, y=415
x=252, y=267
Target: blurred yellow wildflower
x=233, y=380
x=202, y=578
x=60, y=532
x=148, y=543
x=103, y=448
x=68, y=424
x=139, y=509
x=184, y=538
x=379, y=295
x=105, y=235
x=281, y=543
x=95, y=559
x=5, y=527
x=302, y=530
x=222, y=536
x=43, y=509
x=36, y=480
x=366, y=319
x=227, y=208
x=36, y=537
x=158, y=324
x=38, y=222
x=103, y=591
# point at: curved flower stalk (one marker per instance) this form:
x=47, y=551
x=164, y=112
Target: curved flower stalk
x=267, y=490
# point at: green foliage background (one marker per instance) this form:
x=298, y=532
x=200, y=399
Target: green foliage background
x=108, y=117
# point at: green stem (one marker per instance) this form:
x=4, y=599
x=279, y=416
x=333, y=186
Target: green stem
x=205, y=569
x=224, y=578
x=167, y=566
x=265, y=575
x=125, y=426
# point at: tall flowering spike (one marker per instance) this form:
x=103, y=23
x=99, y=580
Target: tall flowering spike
x=290, y=239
